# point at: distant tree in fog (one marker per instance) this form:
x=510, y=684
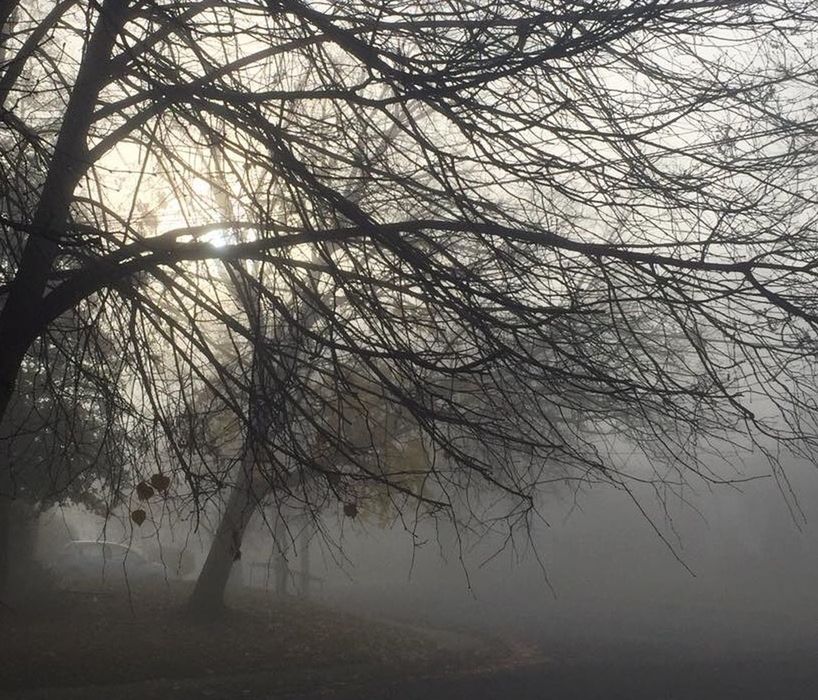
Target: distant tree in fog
x=533, y=230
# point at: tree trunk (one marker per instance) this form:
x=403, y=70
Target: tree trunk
x=304, y=557
x=5, y=527
x=207, y=599
x=20, y=317
x=282, y=567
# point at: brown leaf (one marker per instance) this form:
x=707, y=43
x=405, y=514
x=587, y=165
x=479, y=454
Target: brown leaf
x=144, y=491
x=160, y=482
x=138, y=516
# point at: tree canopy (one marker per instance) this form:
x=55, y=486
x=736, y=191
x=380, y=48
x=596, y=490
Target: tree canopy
x=536, y=230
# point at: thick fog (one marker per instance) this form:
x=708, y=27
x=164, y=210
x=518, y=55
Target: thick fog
x=736, y=571
x=721, y=568
x=611, y=593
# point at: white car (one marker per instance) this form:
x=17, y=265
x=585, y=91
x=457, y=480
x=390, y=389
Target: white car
x=88, y=562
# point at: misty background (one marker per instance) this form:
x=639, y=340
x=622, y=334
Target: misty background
x=734, y=573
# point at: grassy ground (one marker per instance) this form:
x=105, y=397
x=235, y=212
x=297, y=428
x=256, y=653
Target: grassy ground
x=96, y=639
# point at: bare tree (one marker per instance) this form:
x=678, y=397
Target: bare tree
x=524, y=227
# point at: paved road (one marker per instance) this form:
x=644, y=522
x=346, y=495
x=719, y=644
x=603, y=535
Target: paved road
x=671, y=652
x=775, y=662
x=793, y=677
x=619, y=676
